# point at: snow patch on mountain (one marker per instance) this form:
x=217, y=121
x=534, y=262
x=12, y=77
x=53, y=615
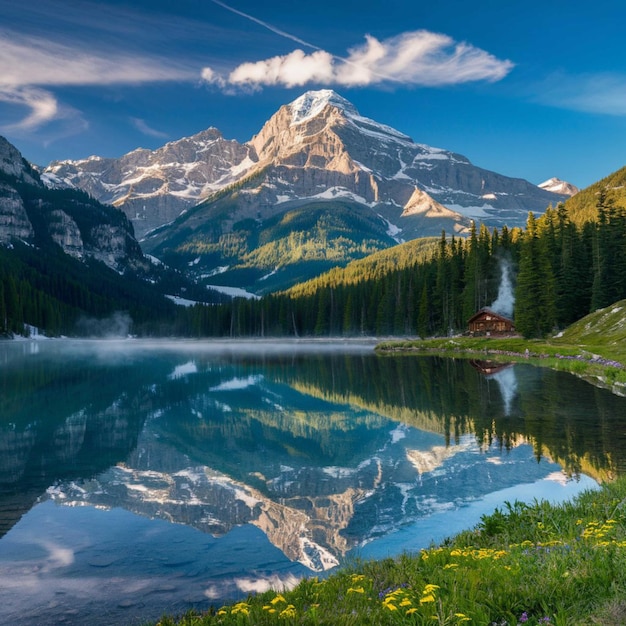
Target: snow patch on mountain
x=473, y=212
x=233, y=292
x=332, y=193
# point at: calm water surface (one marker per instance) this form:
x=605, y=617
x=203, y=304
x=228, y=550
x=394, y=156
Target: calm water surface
x=138, y=479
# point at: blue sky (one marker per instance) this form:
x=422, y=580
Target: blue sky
x=530, y=89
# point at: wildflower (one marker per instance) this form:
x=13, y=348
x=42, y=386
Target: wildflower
x=240, y=607
x=356, y=590
x=278, y=599
x=411, y=611
x=462, y=617
x=523, y=618
x=427, y=598
x=288, y=612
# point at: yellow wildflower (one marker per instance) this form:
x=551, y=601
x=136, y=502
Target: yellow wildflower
x=240, y=607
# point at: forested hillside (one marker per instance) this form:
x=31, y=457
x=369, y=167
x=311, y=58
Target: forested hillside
x=53, y=292
x=610, y=191
x=561, y=271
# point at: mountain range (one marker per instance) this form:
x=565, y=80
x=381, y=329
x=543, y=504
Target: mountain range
x=318, y=186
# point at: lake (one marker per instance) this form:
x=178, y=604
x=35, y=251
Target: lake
x=141, y=478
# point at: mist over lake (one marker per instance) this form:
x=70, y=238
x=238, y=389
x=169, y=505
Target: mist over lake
x=138, y=478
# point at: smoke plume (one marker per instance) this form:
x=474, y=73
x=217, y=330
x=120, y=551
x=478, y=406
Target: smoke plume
x=505, y=301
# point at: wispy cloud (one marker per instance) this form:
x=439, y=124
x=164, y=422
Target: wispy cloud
x=591, y=93
x=417, y=58
x=43, y=106
x=30, y=67
x=38, y=61
x=143, y=127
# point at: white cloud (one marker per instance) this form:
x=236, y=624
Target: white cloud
x=292, y=70
x=418, y=58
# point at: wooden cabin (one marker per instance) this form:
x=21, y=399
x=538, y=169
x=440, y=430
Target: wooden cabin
x=488, y=322
x=489, y=368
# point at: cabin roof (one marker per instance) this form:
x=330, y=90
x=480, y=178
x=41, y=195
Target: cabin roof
x=488, y=311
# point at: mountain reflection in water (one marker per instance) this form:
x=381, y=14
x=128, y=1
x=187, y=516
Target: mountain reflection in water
x=286, y=459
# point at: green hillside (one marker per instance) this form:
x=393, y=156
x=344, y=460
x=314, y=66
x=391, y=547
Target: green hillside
x=583, y=207
x=265, y=255
x=602, y=331
x=374, y=266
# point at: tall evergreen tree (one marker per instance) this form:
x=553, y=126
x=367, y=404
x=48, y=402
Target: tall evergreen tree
x=535, y=309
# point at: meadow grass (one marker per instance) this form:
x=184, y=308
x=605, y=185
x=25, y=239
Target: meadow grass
x=563, y=565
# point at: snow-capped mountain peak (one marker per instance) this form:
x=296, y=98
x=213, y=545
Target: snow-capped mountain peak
x=311, y=103
x=556, y=185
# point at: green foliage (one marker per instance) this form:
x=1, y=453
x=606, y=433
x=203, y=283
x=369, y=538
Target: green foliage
x=583, y=207
x=535, y=306
x=52, y=291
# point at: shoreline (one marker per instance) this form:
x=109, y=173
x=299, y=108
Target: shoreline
x=601, y=371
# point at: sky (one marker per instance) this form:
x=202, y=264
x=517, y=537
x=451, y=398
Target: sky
x=530, y=89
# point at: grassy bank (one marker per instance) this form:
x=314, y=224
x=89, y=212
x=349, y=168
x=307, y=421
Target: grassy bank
x=563, y=565
x=594, y=347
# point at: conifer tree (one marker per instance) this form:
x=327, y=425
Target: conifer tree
x=422, y=315
x=535, y=311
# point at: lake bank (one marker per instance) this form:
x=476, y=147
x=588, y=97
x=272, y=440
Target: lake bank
x=604, y=370
x=524, y=564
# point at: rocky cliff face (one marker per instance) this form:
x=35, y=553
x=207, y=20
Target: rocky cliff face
x=14, y=223
x=81, y=226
